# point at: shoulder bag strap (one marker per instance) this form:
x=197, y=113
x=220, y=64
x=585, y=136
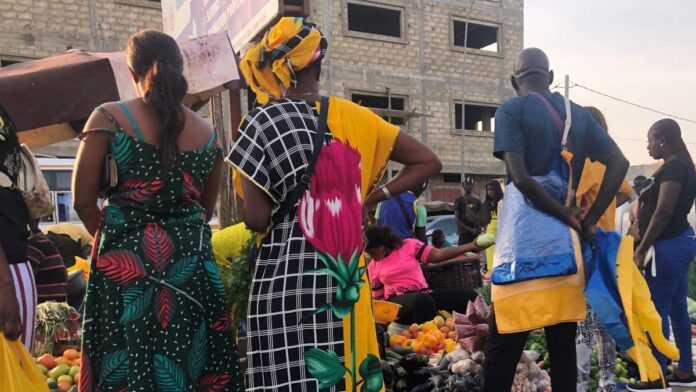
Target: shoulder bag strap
x=304, y=179
x=112, y=120
x=556, y=117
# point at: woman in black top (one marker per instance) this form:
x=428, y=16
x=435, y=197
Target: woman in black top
x=663, y=224
x=17, y=288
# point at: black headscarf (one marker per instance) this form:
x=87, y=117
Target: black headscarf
x=10, y=150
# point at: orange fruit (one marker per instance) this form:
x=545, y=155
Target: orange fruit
x=437, y=334
x=66, y=379
x=64, y=386
x=71, y=353
x=429, y=340
x=429, y=326
x=450, y=345
x=417, y=346
x=47, y=360
x=414, y=328
x=397, y=340
x=62, y=361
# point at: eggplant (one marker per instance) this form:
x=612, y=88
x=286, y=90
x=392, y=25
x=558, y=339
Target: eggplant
x=426, y=387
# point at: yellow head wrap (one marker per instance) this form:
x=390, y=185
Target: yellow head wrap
x=291, y=45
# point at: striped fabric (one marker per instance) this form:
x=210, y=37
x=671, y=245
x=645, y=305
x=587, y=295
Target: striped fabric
x=25, y=289
x=49, y=269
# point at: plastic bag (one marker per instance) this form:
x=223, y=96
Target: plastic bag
x=17, y=370
x=531, y=244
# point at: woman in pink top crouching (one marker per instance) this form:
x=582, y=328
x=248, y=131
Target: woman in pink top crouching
x=396, y=276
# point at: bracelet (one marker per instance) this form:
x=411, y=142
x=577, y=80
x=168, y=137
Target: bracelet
x=386, y=192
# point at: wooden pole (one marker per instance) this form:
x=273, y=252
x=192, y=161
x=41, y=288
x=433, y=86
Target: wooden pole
x=229, y=208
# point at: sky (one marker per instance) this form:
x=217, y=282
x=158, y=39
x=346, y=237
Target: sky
x=638, y=50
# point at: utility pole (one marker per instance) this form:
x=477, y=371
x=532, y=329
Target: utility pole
x=463, y=130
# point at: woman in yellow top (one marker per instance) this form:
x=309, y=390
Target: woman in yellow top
x=494, y=194
x=591, y=329
x=310, y=322
x=591, y=181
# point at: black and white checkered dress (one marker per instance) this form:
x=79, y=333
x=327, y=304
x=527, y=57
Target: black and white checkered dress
x=272, y=148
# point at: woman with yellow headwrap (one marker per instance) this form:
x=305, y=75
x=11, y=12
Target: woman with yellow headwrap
x=310, y=322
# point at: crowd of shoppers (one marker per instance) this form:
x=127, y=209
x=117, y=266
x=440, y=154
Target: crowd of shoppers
x=155, y=295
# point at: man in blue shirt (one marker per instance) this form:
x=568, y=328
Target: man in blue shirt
x=528, y=139
x=404, y=215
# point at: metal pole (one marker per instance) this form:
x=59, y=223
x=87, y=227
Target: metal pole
x=567, y=86
x=461, y=137
x=389, y=107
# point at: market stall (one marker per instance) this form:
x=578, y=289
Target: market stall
x=50, y=99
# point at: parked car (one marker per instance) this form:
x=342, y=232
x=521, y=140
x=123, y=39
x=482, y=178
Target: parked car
x=446, y=223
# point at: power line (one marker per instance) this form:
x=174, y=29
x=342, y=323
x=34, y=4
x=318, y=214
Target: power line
x=634, y=104
x=628, y=139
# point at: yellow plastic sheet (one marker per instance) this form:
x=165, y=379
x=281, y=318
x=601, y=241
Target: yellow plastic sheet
x=641, y=315
x=17, y=370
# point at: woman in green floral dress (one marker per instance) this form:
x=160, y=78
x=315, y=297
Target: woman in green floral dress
x=155, y=316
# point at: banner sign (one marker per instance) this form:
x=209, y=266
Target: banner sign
x=242, y=19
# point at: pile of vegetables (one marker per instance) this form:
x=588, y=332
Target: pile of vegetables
x=472, y=327
x=62, y=373
x=404, y=370
x=428, y=338
x=445, y=355
x=625, y=371
x=57, y=324
x=529, y=377
x=537, y=344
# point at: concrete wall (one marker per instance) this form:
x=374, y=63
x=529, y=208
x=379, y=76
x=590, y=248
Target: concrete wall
x=32, y=29
x=423, y=66
x=426, y=69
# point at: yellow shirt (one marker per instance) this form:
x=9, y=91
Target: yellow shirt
x=588, y=189
x=229, y=242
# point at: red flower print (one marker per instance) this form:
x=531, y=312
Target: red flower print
x=157, y=246
x=121, y=266
x=330, y=212
x=191, y=191
x=140, y=190
x=214, y=382
x=165, y=303
x=222, y=323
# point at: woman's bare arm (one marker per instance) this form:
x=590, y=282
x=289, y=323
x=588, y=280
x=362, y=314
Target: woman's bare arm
x=211, y=188
x=419, y=164
x=88, y=170
x=10, y=323
x=440, y=255
x=257, y=208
